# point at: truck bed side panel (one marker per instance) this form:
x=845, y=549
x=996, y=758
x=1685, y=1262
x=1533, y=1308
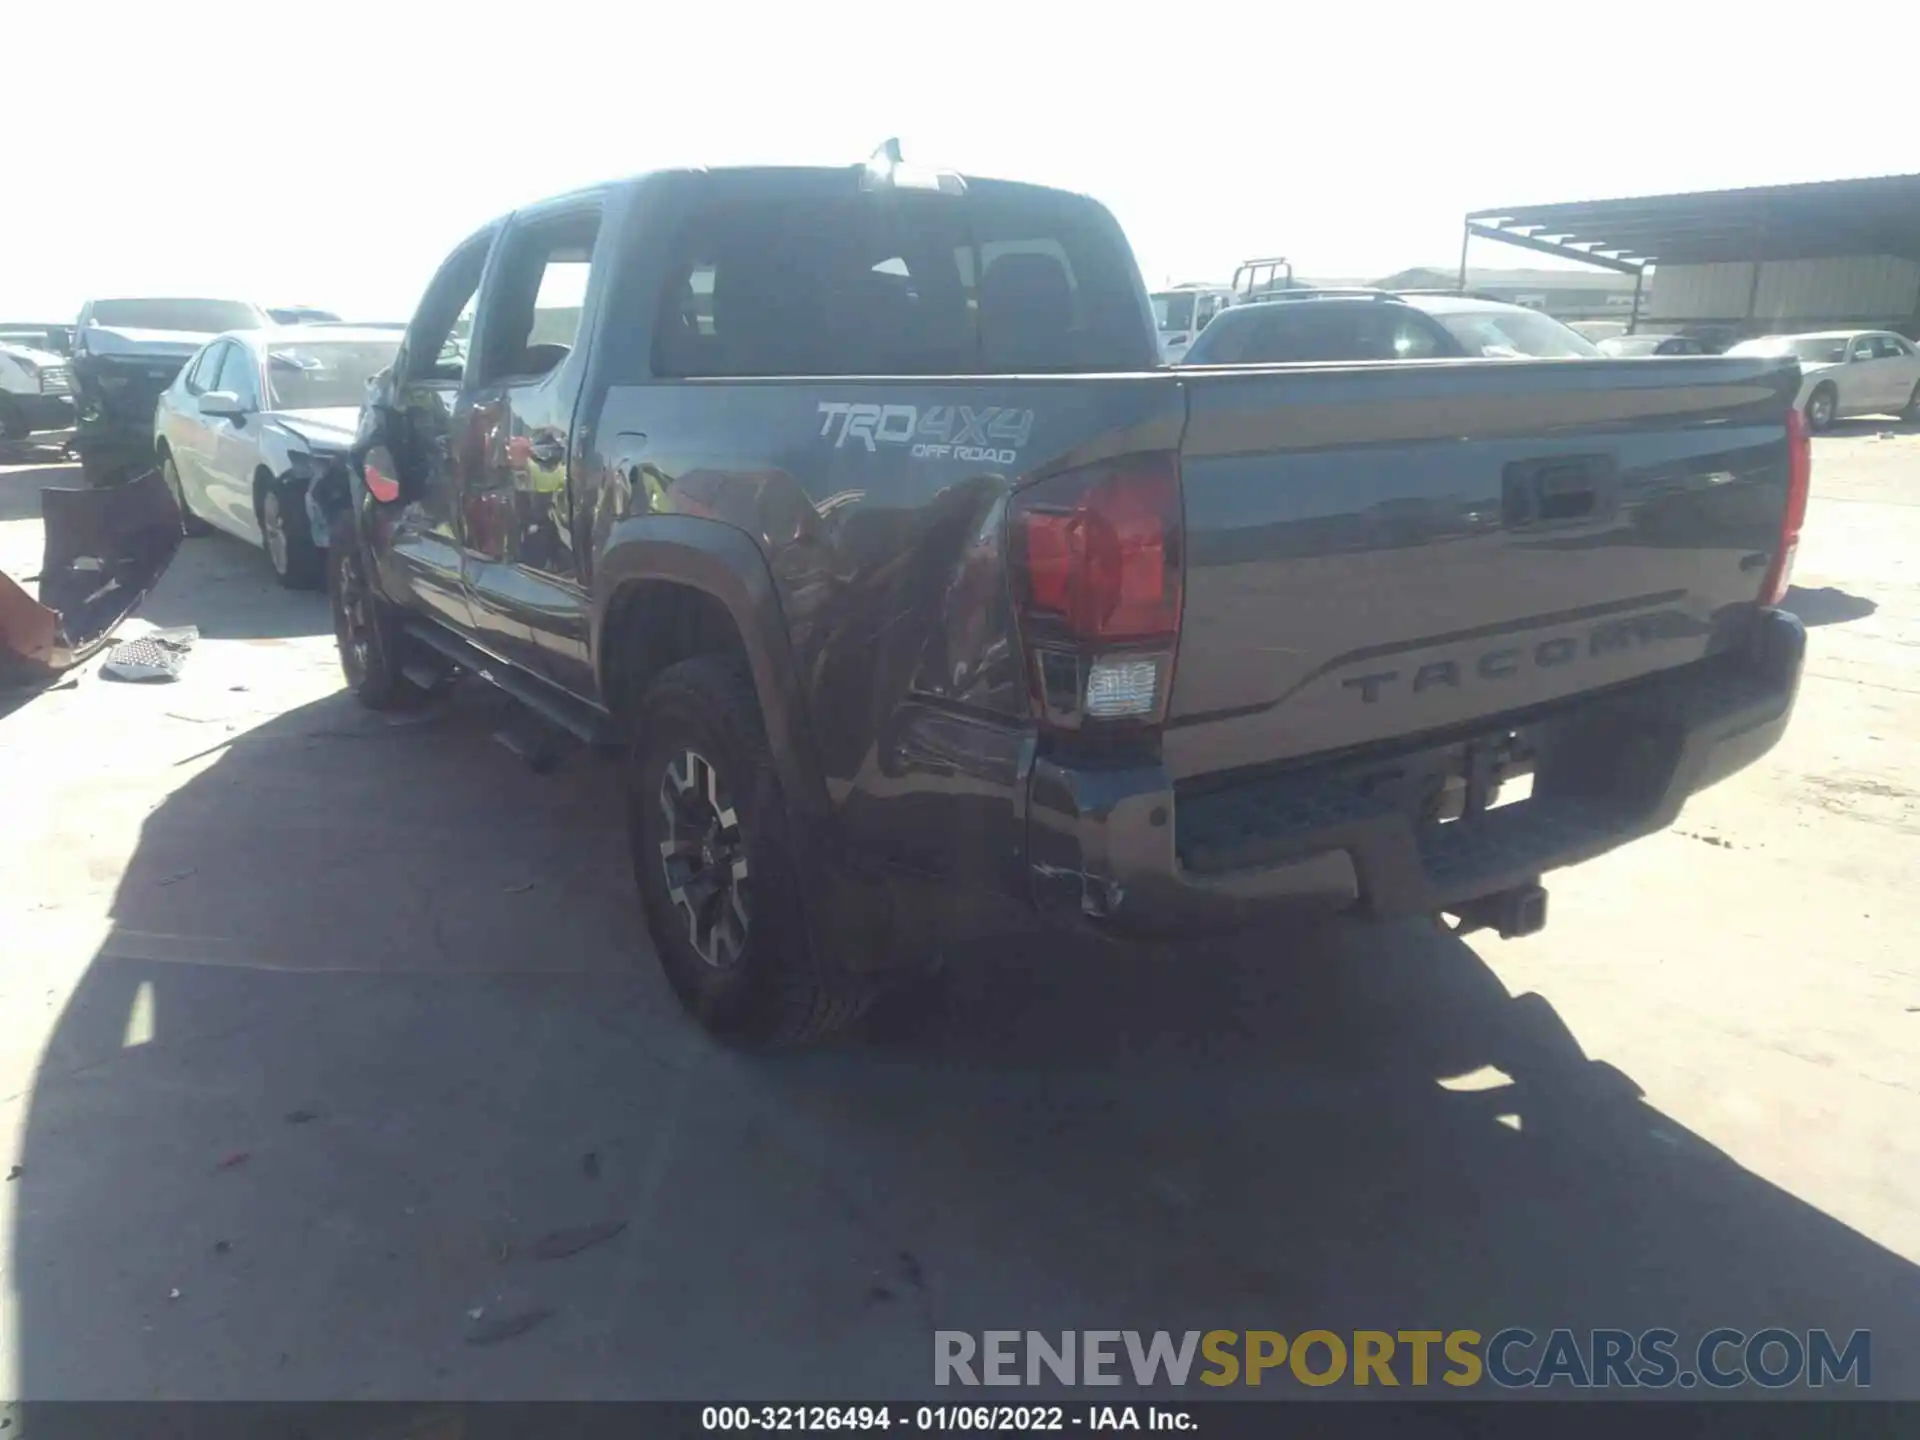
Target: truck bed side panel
x=1377, y=552
x=880, y=506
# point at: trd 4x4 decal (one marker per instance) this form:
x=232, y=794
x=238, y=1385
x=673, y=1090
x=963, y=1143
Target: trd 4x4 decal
x=938, y=432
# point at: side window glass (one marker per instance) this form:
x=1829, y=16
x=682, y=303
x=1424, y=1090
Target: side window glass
x=1414, y=341
x=531, y=313
x=239, y=374
x=1863, y=348
x=205, y=366
x=451, y=362
x=439, y=338
x=1889, y=347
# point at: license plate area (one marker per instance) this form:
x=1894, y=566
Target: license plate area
x=1450, y=783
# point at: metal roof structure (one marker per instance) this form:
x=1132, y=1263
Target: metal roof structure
x=1875, y=216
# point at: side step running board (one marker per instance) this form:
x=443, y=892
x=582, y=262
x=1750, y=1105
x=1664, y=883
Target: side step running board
x=581, y=720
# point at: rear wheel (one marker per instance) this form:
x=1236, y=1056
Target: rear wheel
x=707, y=823
x=190, y=523
x=371, y=645
x=1820, y=408
x=287, y=537
x=1912, y=412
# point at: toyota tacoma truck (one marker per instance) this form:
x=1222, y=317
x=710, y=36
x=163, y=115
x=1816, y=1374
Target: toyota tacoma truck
x=852, y=508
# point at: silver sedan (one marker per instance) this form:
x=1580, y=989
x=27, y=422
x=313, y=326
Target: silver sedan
x=253, y=419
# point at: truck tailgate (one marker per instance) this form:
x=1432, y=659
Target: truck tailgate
x=1378, y=552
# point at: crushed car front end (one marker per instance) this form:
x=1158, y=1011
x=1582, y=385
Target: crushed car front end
x=115, y=394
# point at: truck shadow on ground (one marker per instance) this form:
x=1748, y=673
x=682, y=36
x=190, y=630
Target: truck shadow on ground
x=375, y=1034
x=1827, y=605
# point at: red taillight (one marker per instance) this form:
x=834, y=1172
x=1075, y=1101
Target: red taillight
x=1097, y=551
x=1799, y=485
x=378, y=470
x=1096, y=561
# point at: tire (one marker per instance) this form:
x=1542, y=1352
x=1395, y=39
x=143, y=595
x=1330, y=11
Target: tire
x=1912, y=412
x=1821, y=406
x=190, y=523
x=713, y=862
x=371, y=644
x=287, y=536
x=13, y=425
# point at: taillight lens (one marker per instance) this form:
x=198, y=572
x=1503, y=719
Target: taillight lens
x=381, y=475
x=1097, y=567
x=1799, y=485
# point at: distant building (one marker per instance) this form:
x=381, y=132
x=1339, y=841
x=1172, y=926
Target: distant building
x=1726, y=264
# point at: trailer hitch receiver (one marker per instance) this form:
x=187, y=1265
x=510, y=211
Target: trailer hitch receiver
x=1510, y=913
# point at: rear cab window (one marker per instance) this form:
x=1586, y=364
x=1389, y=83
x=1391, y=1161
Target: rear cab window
x=833, y=280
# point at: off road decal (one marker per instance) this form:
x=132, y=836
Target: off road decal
x=988, y=435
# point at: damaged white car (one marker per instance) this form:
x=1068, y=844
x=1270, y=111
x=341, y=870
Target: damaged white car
x=253, y=420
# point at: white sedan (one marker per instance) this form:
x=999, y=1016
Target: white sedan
x=252, y=419
x=1848, y=372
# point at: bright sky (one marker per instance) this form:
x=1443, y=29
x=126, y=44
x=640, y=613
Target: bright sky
x=331, y=152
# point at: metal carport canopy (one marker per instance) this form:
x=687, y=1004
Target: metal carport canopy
x=1876, y=216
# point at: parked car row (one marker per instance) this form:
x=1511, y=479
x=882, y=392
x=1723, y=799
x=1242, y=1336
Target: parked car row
x=237, y=404
x=252, y=420
x=1309, y=325
x=1645, y=344
x=1844, y=372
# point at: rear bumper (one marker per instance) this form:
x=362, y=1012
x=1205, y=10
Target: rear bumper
x=1124, y=851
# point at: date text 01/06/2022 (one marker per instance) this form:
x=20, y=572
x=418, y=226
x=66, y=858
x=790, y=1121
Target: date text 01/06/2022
x=974, y=1419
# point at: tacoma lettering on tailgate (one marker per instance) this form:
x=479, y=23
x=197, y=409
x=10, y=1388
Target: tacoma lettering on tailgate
x=1506, y=661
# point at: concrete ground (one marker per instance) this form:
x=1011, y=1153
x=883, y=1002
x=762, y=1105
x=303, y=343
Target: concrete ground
x=319, y=1027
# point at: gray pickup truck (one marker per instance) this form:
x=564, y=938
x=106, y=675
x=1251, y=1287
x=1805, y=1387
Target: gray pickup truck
x=852, y=508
